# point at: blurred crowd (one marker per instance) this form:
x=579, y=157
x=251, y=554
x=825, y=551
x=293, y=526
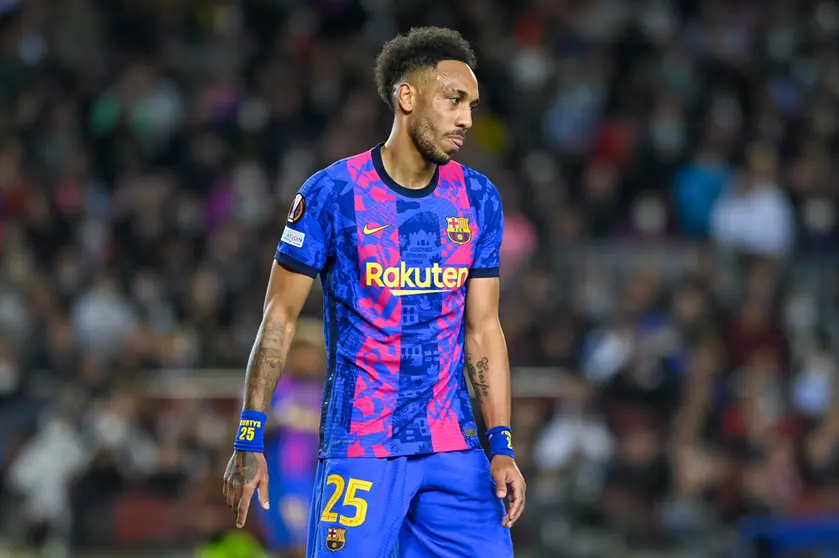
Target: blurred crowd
x=670, y=255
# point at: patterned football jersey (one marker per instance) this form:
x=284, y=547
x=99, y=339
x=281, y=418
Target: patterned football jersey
x=394, y=263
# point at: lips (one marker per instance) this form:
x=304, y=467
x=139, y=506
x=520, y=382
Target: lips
x=457, y=141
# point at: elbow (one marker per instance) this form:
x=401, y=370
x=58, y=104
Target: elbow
x=278, y=316
x=483, y=331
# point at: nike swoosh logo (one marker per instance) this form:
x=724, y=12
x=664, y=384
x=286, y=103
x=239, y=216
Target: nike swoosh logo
x=373, y=230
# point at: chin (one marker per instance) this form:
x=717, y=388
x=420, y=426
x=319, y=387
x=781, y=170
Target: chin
x=433, y=152
x=440, y=157
x=437, y=158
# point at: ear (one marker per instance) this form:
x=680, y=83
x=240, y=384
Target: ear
x=405, y=98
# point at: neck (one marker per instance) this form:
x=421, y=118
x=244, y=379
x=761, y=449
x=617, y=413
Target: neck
x=403, y=161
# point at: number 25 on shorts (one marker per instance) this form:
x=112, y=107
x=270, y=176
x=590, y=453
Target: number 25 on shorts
x=350, y=499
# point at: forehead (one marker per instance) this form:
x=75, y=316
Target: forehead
x=455, y=75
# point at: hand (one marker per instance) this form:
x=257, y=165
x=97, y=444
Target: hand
x=246, y=472
x=510, y=485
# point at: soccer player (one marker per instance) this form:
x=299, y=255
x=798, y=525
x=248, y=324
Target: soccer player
x=291, y=446
x=406, y=243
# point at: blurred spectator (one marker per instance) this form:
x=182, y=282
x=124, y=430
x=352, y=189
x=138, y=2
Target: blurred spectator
x=573, y=430
x=697, y=187
x=755, y=217
x=42, y=473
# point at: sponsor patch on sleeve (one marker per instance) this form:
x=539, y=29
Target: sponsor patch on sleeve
x=295, y=238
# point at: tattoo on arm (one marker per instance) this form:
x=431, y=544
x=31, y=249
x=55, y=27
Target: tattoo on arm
x=265, y=366
x=241, y=469
x=477, y=375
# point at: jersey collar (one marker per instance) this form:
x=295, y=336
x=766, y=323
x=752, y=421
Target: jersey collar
x=426, y=190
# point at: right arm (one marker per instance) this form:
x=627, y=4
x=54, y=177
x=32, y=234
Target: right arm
x=247, y=471
x=287, y=292
x=300, y=257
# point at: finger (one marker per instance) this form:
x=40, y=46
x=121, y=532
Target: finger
x=501, y=491
x=262, y=487
x=244, y=506
x=517, y=489
x=507, y=521
x=500, y=479
x=234, y=492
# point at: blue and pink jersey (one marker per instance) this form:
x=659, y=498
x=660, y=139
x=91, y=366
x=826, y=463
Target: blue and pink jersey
x=394, y=264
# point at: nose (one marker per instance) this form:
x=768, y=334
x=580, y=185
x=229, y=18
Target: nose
x=464, y=118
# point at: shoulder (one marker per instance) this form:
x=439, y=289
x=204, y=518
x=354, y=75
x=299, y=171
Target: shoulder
x=319, y=191
x=473, y=179
x=321, y=183
x=482, y=193
x=332, y=178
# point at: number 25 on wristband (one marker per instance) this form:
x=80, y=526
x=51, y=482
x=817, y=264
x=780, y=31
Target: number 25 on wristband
x=246, y=433
x=350, y=499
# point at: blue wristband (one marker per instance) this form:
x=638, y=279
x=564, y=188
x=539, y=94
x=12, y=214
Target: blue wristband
x=500, y=441
x=250, y=436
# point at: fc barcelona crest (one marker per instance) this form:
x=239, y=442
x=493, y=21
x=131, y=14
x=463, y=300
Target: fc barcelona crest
x=336, y=538
x=458, y=229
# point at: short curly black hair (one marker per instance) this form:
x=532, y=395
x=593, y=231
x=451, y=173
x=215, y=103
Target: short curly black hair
x=422, y=47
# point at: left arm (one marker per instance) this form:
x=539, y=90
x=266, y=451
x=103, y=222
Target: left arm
x=486, y=351
x=488, y=369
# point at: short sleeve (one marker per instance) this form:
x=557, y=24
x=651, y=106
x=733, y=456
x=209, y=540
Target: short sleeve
x=305, y=243
x=491, y=218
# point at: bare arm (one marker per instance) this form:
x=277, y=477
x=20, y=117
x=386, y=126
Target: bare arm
x=246, y=470
x=488, y=368
x=487, y=364
x=287, y=292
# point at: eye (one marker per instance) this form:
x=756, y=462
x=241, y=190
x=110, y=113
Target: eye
x=454, y=100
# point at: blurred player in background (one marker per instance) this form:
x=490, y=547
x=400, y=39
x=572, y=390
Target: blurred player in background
x=291, y=442
x=407, y=245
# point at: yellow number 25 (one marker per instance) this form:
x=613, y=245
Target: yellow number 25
x=350, y=499
x=246, y=433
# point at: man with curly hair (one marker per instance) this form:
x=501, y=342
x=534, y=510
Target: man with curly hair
x=406, y=243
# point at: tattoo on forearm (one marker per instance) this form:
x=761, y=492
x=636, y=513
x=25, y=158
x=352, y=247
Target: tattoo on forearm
x=477, y=375
x=265, y=366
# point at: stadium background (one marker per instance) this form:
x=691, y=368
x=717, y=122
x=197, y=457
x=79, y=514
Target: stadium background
x=670, y=259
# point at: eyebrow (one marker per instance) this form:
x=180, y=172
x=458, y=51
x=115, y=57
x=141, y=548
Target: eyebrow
x=463, y=93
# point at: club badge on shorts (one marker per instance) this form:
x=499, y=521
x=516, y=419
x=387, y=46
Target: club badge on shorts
x=457, y=228
x=336, y=538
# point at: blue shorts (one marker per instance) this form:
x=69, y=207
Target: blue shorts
x=285, y=524
x=442, y=505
